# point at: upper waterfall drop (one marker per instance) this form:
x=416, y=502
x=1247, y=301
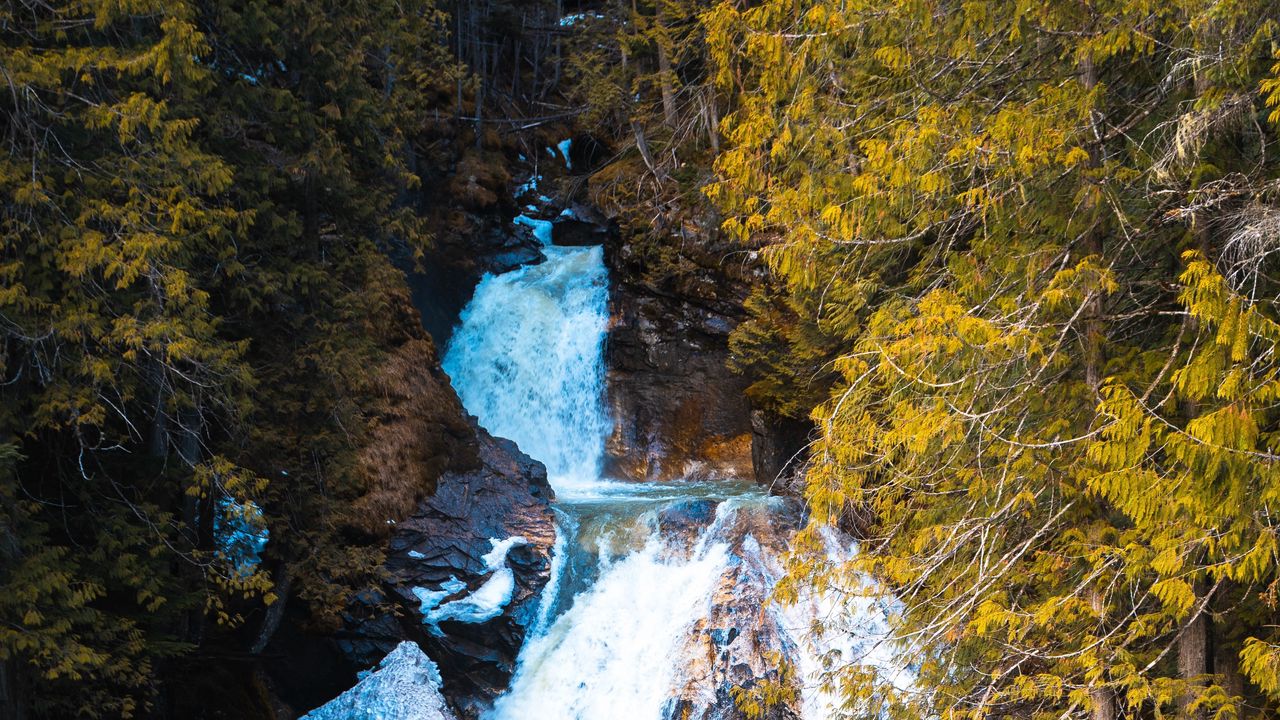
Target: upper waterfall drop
x=527, y=359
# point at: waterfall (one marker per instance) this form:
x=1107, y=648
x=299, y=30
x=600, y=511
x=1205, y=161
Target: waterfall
x=527, y=361
x=657, y=602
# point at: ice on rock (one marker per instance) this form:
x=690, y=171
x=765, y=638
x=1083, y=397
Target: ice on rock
x=541, y=228
x=405, y=686
x=431, y=599
x=528, y=186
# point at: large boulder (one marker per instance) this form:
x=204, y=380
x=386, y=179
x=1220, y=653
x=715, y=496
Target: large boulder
x=404, y=686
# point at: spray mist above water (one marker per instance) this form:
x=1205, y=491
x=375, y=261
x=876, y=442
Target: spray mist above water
x=527, y=361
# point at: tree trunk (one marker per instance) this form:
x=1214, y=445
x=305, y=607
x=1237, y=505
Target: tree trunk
x=1102, y=697
x=11, y=705
x=458, y=53
x=713, y=119
x=1091, y=244
x=555, y=77
x=1193, y=659
x=1226, y=665
x=275, y=612
x=158, y=446
x=668, y=86
x=643, y=146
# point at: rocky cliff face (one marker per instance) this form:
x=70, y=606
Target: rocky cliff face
x=680, y=411
x=442, y=283
x=466, y=573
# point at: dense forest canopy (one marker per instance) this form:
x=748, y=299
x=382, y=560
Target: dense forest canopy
x=195, y=195
x=1022, y=278
x=1041, y=237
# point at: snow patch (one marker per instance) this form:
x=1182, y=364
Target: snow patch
x=541, y=228
x=497, y=557
x=430, y=599
x=528, y=185
x=406, y=686
x=565, y=147
x=482, y=605
x=575, y=18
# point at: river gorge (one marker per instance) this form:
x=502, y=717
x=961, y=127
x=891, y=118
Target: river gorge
x=650, y=600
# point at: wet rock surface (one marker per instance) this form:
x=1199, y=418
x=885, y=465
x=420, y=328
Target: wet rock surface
x=779, y=451
x=442, y=283
x=441, y=547
x=580, y=225
x=686, y=518
x=735, y=643
x=680, y=411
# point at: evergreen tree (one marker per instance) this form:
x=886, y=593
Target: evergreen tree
x=1053, y=423
x=195, y=310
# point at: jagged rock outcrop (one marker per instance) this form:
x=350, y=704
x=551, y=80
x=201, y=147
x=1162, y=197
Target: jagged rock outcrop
x=466, y=603
x=734, y=644
x=404, y=686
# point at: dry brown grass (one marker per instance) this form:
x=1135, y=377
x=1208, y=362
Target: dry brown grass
x=1253, y=240
x=417, y=433
x=1190, y=132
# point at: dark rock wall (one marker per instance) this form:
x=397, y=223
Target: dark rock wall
x=779, y=451
x=678, y=409
x=442, y=283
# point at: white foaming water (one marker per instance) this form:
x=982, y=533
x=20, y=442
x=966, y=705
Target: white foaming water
x=527, y=361
x=615, y=653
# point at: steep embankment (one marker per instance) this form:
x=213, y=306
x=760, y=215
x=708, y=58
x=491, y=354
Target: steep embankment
x=439, y=489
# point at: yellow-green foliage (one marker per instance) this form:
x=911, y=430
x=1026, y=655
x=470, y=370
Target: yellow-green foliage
x=191, y=200
x=1035, y=235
